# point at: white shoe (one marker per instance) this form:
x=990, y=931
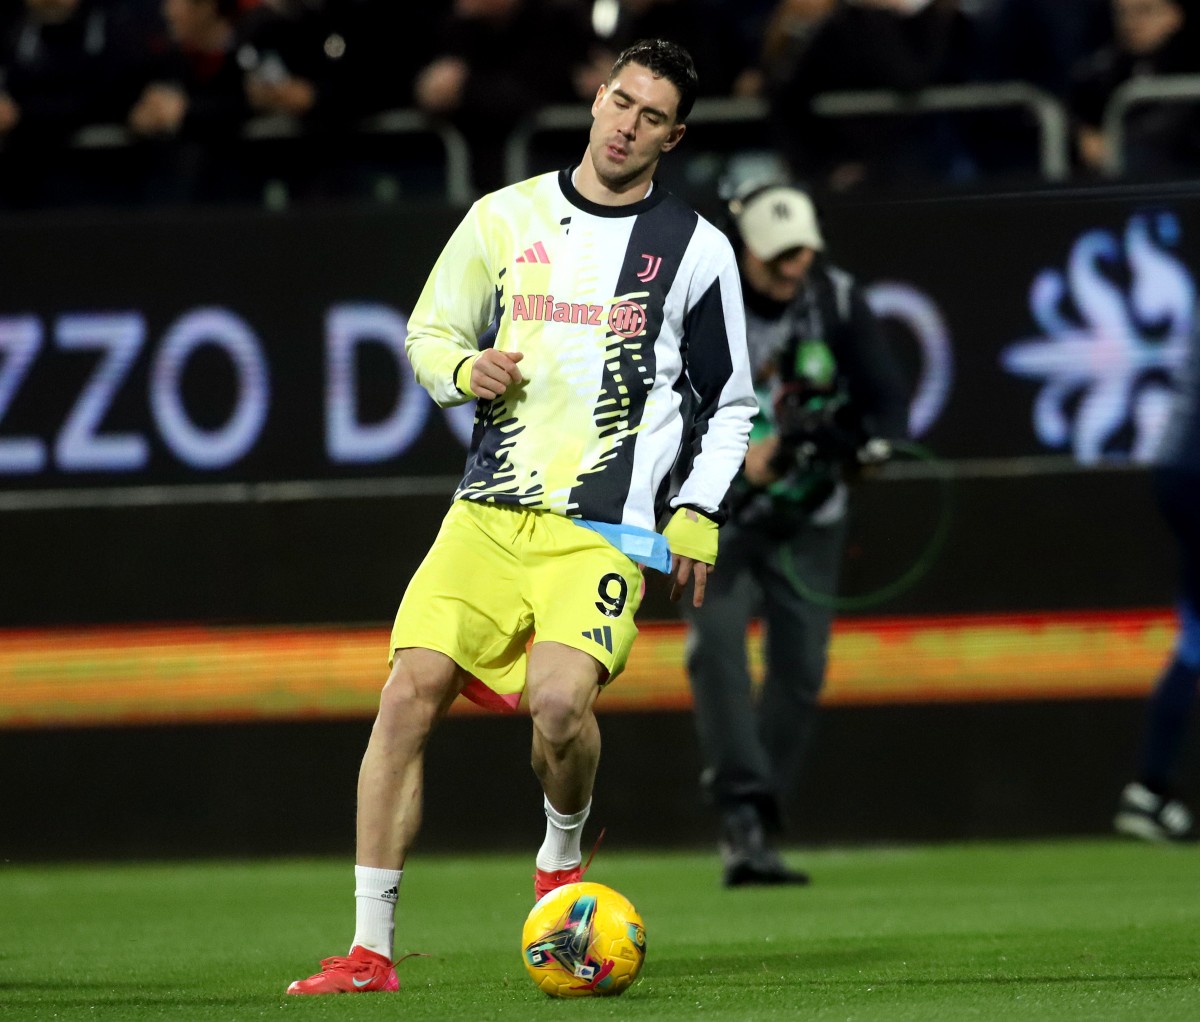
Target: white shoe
x=1145, y=815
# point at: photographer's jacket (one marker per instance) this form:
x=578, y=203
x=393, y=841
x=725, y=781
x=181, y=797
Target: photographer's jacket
x=827, y=345
x=631, y=324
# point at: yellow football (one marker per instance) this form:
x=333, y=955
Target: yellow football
x=584, y=940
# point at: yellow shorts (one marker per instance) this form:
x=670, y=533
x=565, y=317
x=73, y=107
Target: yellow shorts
x=497, y=574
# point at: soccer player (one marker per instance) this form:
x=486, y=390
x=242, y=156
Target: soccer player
x=1147, y=807
x=614, y=351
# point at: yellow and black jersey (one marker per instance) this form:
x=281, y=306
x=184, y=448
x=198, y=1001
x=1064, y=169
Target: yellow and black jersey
x=631, y=325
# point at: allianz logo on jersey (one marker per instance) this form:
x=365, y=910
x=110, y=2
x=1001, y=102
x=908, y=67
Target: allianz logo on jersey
x=624, y=318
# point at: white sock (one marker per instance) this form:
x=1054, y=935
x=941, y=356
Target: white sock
x=375, y=892
x=561, y=848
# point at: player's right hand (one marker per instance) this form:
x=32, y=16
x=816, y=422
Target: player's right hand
x=494, y=371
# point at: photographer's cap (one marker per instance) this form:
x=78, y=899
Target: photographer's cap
x=775, y=219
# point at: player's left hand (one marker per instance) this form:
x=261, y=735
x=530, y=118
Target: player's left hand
x=683, y=569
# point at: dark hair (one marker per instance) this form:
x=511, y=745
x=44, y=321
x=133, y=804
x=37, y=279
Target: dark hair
x=667, y=60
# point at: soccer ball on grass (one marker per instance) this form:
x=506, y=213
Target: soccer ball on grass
x=583, y=940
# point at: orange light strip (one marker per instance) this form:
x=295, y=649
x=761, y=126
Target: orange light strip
x=167, y=674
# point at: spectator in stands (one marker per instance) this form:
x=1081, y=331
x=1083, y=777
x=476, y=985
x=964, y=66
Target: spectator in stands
x=786, y=33
x=1153, y=37
x=194, y=103
x=335, y=60
x=1147, y=807
x=328, y=64
x=499, y=60
x=63, y=69
x=750, y=19
x=708, y=29
x=903, y=45
x=198, y=90
x=1038, y=42
x=64, y=64
x=1035, y=42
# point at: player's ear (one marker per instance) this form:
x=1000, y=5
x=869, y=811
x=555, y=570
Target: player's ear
x=674, y=137
x=600, y=91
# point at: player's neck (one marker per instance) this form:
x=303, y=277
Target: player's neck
x=588, y=184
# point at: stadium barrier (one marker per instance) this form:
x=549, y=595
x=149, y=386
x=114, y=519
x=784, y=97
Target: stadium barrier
x=402, y=122
x=1048, y=113
x=1140, y=91
x=1051, y=118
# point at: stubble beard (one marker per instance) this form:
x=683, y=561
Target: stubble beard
x=620, y=181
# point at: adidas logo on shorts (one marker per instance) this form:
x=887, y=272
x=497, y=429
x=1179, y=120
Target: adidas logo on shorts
x=602, y=635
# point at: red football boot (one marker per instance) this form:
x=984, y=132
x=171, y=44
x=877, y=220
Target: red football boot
x=360, y=972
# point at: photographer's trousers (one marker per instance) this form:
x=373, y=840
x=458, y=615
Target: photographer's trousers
x=753, y=737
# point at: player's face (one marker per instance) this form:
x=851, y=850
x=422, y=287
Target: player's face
x=634, y=123
x=781, y=278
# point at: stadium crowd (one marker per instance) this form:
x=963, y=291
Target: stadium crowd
x=147, y=101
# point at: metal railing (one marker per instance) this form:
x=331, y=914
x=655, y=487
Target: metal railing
x=1054, y=139
x=1054, y=142
x=1054, y=159
x=458, y=188
x=1137, y=92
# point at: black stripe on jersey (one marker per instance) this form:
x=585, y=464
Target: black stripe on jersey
x=708, y=360
x=687, y=450
x=657, y=243
x=483, y=409
x=498, y=305
x=709, y=366
x=494, y=435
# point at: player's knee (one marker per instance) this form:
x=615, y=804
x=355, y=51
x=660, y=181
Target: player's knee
x=557, y=712
x=408, y=700
x=399, y=705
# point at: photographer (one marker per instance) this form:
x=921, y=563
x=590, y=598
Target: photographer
x=830, y=399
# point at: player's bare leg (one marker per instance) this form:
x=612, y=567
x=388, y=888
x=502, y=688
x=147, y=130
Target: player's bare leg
x=418, y=692
x=417, y=695
x=561, y=685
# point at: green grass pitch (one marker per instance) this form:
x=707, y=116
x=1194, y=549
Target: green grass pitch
x=1091, y=930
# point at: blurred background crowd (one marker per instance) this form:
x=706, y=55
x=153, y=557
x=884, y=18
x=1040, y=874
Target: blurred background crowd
x=187, y=101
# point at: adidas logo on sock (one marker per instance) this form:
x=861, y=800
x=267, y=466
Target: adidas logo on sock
x=391, y=894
